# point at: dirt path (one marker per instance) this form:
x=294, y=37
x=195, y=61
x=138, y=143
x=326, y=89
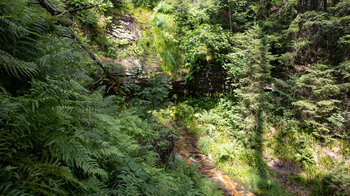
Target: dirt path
x=185, y=149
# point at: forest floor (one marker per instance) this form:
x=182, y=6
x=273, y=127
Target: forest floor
x=185, y=148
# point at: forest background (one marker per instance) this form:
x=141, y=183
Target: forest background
x=94, y=91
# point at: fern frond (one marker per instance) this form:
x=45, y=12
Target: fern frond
x=61, y=57
x=8, y=31
x=16, y=67
x=73, y=152
x=9, y=190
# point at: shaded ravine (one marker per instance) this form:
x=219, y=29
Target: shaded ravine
x=185, y=149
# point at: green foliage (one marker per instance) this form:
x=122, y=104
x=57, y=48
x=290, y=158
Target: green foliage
x=155, y=93
x=180, y=27
x=58, y=138
x=205, y=46
x=103, y=5
x=94, y=17
x=88, y=17
x=147, y=3
x=106, y=45
x=336, y=183
x=312, y=30
x=255, y=78
x=305, y=86
x=319, y=105
x=243, y=14
x=18, y=38
x=72, y=140
x=163, y=28
x=292, y=144
x=79, y=3
x=117, y=3
x=16, y=67
x=220, y=138
x=304, y=153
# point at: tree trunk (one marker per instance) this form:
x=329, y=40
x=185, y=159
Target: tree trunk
x=335, y=2
x=302, y=5
x=229, y=13
x=48, y=6
x=314, y=4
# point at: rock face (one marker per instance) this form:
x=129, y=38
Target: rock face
x=123, y=30
x=132, y=66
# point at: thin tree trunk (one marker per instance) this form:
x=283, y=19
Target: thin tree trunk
x=301, y=3
x=314, y=4
x=91, y=54
x=229, y=13
x=335, y=2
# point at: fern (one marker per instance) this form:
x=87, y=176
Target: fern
x=16, y=67
x=57, y=137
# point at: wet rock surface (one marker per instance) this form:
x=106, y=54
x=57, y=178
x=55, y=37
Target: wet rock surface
x=185, y=149
x=124, y=30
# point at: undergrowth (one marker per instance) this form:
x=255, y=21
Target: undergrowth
x=211, y=120
x=59, y=137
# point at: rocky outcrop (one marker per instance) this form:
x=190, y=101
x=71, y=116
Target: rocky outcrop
x=123, y=30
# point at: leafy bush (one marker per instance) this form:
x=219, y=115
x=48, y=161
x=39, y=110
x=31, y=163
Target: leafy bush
x=117, y=3
x=79, y=3
x=155, y=93
x=165, y=43
x=253, y=100
x=336, y=183
x=106, y=45
x=88, y=17
x=204, y=47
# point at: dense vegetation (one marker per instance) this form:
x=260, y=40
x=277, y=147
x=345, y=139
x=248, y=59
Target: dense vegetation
x=262, y=82
x=59, y=138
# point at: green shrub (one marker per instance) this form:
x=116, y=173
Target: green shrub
x=106, y=45
x=336, y=182
x=203, y=47
x=155, y=93
x=88, y=17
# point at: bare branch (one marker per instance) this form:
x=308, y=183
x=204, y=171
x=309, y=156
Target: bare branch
x=48, y=6
x=76, y=10
x=53, y=11
x=63, y=13
x=91, y=54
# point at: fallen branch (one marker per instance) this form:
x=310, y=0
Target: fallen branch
x=49, y=7
x=91, y=54
x=76, y=10
x=54, y=12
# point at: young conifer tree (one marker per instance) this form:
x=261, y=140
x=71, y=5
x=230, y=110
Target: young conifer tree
x=254, y=81
x=317, y=102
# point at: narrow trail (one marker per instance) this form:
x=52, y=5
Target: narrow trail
x=185, y=148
